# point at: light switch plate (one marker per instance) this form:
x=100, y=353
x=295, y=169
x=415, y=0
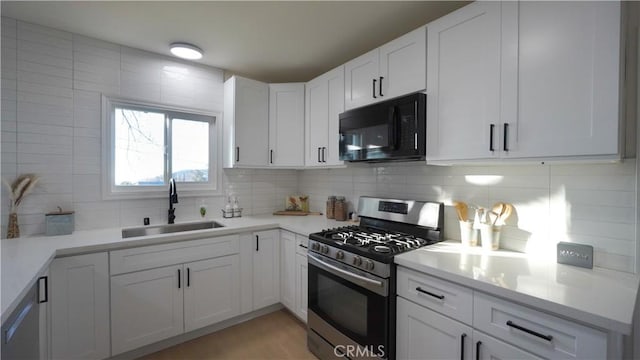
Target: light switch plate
x=575, y=254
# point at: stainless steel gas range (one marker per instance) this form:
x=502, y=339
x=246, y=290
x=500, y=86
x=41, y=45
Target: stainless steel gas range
x=351, y=310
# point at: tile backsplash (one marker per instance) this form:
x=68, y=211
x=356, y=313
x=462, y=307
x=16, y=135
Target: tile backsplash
x=52, y=83
x=593, y=204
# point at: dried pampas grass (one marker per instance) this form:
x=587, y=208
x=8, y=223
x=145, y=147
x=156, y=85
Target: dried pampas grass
x=20, y=187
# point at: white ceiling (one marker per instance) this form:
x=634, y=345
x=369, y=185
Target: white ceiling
x=269, y=41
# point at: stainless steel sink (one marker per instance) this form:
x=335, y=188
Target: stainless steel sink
x=173, y=228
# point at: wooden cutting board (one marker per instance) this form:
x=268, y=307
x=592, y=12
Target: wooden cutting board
x=297, y=213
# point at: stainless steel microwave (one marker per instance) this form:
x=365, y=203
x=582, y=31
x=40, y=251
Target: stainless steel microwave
x=391, y=130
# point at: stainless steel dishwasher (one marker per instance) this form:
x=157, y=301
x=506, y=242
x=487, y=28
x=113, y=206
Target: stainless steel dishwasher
x=21, y=331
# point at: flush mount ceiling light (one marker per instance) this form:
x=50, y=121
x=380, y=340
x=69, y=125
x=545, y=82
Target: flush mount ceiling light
x=186, y=51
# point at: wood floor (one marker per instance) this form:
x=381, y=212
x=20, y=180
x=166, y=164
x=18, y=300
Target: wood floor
x=278, y=335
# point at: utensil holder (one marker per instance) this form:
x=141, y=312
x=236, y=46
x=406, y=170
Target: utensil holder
x=468, y=235
x=490, y=236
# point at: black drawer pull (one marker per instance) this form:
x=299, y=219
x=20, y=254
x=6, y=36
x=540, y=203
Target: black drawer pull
x=302, y=246
x=188, y=277
x=462, y=337
x=237, y=153
x=257, y=243
x=179, y=277
x=419, y=289
x=528, y=331
x=478, y=350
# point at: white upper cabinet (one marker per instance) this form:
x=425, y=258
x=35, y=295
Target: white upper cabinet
x=524, y=80
x=396, y=68
x=463, y=82
x=286, y=124
x=324, y=102
x=568, y=78
x=246, y=123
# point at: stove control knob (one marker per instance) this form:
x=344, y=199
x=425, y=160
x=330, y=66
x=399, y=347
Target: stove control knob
x=369, y=265
x=315, y=246
x=324, y=249
x=339, y=255
x=357, y=261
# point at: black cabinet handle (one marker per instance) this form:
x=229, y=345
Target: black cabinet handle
x=188, y=277
x=271, y=156
x=504, y=137
x=478, y=350
x=237, y=153
x=319, y=160
x=302, y=246
x=381, y=77
x=179, y=277
x=374, y=89
x=491, y=127
x=257, y=243
x=324, y=154
x=46, y=289
x=529, y=331
x=419, y=289
x=462, y=337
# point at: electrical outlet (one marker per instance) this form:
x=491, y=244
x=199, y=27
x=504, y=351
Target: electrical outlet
x=575, y=254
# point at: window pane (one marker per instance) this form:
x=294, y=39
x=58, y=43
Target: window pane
x=139, y=147
x=190, y=150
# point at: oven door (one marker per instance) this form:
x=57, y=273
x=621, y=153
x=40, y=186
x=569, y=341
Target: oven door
x=352, y=302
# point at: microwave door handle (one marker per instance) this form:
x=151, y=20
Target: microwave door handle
x=393, y=133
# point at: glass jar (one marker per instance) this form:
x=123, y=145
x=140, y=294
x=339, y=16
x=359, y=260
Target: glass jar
x=331, y=201
x=340, y=209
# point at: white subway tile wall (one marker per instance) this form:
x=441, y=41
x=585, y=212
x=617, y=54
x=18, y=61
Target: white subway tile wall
x=52, y=82
x=590, y=204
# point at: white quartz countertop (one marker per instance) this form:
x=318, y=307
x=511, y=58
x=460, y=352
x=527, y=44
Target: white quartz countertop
x=24, y=259
x=597, y=297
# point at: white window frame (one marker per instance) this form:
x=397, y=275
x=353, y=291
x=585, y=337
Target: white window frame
x=111, y=191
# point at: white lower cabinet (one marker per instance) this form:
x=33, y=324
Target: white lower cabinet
x=212, y=291
x=79, y=307
x=152, y=305
x=425, y=334
x=293, y=270
x=499, y=329
x=266, y=268
x=301, y=286
x=146, y=306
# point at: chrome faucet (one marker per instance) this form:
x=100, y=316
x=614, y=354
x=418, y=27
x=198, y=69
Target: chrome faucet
x=173, y=199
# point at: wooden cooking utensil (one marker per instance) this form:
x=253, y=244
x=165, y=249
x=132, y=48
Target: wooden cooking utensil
x=497, y=211
x=508, y=210
x=462, y=209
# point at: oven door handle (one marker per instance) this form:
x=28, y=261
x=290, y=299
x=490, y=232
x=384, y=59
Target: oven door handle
x=344, y=273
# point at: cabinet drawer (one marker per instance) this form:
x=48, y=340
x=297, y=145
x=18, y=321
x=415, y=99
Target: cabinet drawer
x=540, y=333
x=148, y=257
x=302, y=242
x=442, y=296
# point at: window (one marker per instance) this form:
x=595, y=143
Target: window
x=149, y=144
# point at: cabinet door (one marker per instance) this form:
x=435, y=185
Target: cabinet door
x=568, y=56
x=487, y=347
x=146, y=306
x=211, y=292
x=425, y=334
x=463, y=83
x=361, y=80
x=403, y=64
x=286, y=124
x=266, y=269
x=80, y=307
x=251, y=122
x=324, y=103
x=287, y=269
x=301, y=286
